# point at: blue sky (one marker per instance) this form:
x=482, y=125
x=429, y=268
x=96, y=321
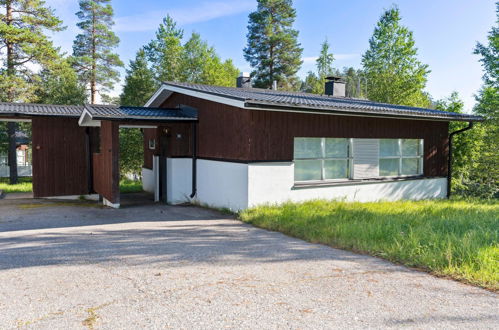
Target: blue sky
x=445, y=31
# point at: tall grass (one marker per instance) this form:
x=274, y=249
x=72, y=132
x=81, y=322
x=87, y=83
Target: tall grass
x=456, y=238
x=26, y=185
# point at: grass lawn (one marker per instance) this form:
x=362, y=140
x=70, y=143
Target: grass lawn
x=25, y=185
x=130, y=186
x=455, y=238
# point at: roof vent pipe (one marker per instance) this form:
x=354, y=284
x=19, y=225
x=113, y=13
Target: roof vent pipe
x=274, y=85
x=335, y=86
x=244, y=80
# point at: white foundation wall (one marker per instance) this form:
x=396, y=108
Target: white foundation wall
x=270, y=183
x=179, y=180
x=222, y=184
x=148, y=180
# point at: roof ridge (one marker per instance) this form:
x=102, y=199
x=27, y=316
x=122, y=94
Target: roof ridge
x=320, y=101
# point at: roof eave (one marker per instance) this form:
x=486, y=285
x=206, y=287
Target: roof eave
x=258, y=105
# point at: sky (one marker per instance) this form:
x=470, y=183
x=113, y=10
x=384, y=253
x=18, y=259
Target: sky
x=445, y=32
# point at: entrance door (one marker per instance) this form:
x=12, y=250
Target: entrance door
x=163, y=142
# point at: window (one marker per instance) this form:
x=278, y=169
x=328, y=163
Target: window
x=400, y=157
x=327, y=159
x=3, y=160
x=152, y=144
x=322, y=159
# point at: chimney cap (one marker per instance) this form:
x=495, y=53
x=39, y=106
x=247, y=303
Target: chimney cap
x=335, y=78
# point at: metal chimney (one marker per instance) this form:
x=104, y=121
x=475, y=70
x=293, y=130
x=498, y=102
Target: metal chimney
x=335, y=86
x=244, y=80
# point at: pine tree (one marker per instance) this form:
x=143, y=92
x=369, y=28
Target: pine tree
x=92, y=49
x=139, y=82
x=165, y=52
x=325, y=61
x=273, y=49
x=59, y=84
x=22, y=26
x=394, y=74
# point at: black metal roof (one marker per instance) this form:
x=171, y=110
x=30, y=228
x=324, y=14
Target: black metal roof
x=32, y=109
x=268, y=99
x=112, y=112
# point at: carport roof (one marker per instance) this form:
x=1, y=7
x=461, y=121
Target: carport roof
x=94, y=112
x=32, y=109
x=111, y=112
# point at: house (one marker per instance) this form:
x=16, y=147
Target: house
x=23, y=156
x=239, y=147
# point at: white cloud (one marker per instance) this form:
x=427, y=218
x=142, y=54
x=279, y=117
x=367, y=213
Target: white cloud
x=309, y=59
x=201, y=13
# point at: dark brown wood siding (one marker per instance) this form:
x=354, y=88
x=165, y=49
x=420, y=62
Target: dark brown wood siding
x=149, y=134
x=273, y=134
x=178, y=139
x=223, y=131
x=230, y=133
x=106, y=170
x=60, y=157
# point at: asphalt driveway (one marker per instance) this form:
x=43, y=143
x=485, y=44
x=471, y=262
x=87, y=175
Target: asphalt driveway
x=65, y=266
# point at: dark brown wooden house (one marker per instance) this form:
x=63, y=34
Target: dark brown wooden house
x=239, y=147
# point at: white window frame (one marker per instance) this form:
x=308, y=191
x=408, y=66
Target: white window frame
x=401, y=157
x=349, y=160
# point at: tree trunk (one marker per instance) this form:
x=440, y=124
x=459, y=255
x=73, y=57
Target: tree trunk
x=93, y=82
x=11, y=126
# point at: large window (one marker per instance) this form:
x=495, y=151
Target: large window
x=326, y=159
x=322, y=159
x=400, y=157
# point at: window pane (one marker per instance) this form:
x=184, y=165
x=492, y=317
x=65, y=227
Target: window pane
x=410, y=147
x=389, y=167
x=388, y=147
x=308, y=148
x=336, y=169
x=410, y=166
x=306, y=170
x=336, y=148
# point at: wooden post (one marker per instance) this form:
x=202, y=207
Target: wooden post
x=106, y=170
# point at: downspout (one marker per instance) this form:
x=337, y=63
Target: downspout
x=194, y=160
x=449, y=164
x=90, y=174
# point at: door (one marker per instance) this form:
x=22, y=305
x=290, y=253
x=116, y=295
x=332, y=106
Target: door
x=163, y=170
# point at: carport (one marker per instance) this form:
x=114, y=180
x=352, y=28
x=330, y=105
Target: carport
x=76, y=148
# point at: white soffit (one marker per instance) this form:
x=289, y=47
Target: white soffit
x=87, y=121
x=166, y=90
x=15, y=120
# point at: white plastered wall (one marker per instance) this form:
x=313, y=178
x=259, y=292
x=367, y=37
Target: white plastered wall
x=222, y=184
x=238, y=186
x=219, y=184
x=179, y=180
x=274, y=183
x=148, y=180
